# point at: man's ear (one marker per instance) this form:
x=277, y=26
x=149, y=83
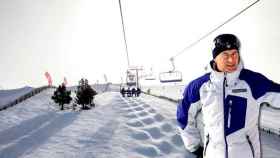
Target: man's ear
x=214, y=65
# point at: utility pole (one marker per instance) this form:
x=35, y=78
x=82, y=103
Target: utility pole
x=137, y=79
x=135, y=68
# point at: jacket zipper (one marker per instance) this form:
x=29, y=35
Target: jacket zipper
x=229, y=113
x=207, y=142
x=224, y=101
x=251, y=145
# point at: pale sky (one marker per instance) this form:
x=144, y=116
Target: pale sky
x=83, y=38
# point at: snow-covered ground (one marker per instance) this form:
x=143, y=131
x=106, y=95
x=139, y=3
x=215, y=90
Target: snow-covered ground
x=143, y=127
x=6, y=96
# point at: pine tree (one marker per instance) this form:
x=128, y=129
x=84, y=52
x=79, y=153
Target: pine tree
x=62, y=96
x=85, y=94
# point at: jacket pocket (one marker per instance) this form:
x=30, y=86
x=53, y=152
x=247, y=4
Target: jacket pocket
x=206, y=145
x=251, y=145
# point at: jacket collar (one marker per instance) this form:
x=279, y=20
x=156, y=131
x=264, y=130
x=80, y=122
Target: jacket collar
x=231, y=78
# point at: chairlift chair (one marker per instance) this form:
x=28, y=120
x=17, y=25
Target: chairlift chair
x=150, y=76
x=171, y=76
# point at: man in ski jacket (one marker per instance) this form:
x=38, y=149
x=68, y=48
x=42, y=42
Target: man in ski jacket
x=229, y=98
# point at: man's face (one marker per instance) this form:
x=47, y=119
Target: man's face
x=227, y=61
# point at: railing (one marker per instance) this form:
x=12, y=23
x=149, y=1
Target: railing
x=101, y=88
x=24, y=97
x=107, y=86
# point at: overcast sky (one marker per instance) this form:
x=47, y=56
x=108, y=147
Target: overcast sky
x=83, y=38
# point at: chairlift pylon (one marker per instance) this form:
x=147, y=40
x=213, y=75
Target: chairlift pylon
x=130, y=78
x=172, y=75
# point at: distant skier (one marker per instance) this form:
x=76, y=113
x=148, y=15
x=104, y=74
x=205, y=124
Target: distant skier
x=229, y=98
x=123, y=92
x=138, y=91
x=128, y=92
x=133, y=92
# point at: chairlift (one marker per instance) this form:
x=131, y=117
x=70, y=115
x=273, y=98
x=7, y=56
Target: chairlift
x=171, y=76
x=130, y=79
x=150, y=76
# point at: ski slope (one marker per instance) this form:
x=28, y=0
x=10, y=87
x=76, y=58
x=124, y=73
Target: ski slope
x=143, y=127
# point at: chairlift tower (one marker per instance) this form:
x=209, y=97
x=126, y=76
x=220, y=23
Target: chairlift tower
x=136, y=69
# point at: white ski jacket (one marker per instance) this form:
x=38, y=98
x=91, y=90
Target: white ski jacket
x=230, y=104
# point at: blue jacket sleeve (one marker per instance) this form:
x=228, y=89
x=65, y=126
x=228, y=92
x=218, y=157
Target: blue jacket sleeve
x=191, y=95
x=263, y=89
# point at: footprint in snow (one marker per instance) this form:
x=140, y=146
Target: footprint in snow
x=138, y=109
x=134, y=104
x=177, y=140
x=152, y=110
x=143, y=113
x=140, y=135
x=131, y=116
x=149, y=151
x=159, y=117
x=135, y=124
x=167, y=128
x=148, y=121
x=165, y=147
x=146, y=105
x=154, y=132
x=125, y=106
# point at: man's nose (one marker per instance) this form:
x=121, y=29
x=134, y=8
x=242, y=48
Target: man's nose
x=230, y=58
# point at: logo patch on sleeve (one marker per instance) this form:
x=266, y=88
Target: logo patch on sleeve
x=239, y=90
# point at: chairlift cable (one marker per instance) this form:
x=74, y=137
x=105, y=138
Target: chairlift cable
x=215, y=29
x=197, y=41
x=124, y=35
